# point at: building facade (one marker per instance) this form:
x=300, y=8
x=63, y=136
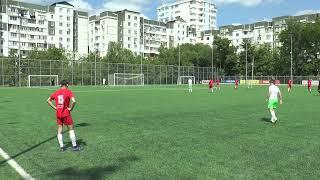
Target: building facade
x=129, y=30
x=27, y=26
x=200, y=15
x=103, y=29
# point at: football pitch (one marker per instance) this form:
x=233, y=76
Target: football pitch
x=163, y=133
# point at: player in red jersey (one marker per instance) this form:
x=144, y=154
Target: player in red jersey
x=289, y=85
x=236, y=84
x=218, y=84
x=62, y=98
x=309, y=85
x=211, y=84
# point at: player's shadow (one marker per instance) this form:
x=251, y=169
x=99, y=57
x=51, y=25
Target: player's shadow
x=9, y=123
x=94, y=172
x=43, y=142
x=79, y=142
x=266, y=120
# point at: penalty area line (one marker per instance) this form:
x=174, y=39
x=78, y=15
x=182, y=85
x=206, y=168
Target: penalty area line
x=15, y=165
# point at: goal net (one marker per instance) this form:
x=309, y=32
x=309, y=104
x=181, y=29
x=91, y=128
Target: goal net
x=126, y=79
x=184, y=79
x=43, y=80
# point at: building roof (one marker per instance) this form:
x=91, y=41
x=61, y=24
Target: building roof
x=62, y=3
x=126, y=10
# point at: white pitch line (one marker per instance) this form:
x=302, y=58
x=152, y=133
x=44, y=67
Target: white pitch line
x=15, y=165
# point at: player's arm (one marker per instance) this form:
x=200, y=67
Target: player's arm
x=49, y=101
x=73, y=104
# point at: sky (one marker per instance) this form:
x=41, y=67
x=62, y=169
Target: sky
x=229, y=11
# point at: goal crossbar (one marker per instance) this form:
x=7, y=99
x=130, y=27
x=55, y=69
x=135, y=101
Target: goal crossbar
x=181, y=78
x=43, y=76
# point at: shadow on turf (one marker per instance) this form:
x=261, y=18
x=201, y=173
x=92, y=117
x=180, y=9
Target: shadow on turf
x=266, y=120
x=95, y=172
x=80, y=141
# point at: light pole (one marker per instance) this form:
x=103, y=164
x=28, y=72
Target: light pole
x=291, y=57
x=246, y=61
x=252, y=71
x=95, y=67
x=212, y=57
x=20, y=14
x=179, y=59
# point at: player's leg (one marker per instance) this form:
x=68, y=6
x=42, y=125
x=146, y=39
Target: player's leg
x=72, y=134
x=272, y=105
x=59, y=136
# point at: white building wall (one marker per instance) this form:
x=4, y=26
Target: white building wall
x=131, y=32
x=83, y=36
x=199, y=14
x=64, y=27
x=102, y=31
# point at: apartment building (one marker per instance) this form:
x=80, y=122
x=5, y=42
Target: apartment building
x=154, y=35
x=264, y=32
x=27, y=26
x=129, y=30
x=178, y=32
x=200, y=15
x=103, y=29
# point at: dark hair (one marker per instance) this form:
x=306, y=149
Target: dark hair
x=64, y=83
x=272, y=81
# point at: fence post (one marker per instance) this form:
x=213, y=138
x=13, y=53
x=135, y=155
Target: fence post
x=72, y=72
x=2, y=72
x=40, y=72
x=82, y=73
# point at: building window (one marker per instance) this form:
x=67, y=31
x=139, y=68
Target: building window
x=31, y=36
x=129, y=31
x=135, y=18
x=129, y=38
x=129, y=46
x=68, y=11
x=51, y=16
x=129, y=24
x=13, y=18
x=129, y=16
x=51, y=38
x=135, y=32
x=13, y=34
x=60, y=9
x=208, y=38
x=41, y=21
x=60, y=32
x=68, y=18
x=68, y=25
x=68, y=39
x=61, y=24
x=60, y=39
x=135, y=24
x=61, y=17
x=52, y=31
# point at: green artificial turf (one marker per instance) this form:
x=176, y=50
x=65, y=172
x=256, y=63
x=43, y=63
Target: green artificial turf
x=163, y=133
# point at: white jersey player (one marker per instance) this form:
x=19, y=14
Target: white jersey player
x=274, y=98
x=190, y=85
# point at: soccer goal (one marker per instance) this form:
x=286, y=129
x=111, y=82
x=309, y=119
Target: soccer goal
x=43, y=80
x=184, y=79
x=126, y=79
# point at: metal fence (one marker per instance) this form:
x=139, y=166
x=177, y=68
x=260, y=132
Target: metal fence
x=91, y=73
x=282, y=79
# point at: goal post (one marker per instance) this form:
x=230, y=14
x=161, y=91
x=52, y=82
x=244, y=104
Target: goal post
x=43, y=80
x=126, y=79
x=184, y=79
